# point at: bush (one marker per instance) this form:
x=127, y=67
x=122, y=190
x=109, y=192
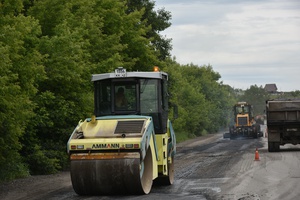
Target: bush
x=40, y=162
x=12, y=170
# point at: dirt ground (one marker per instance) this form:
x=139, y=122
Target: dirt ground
x=33, y=186
x=206, y=168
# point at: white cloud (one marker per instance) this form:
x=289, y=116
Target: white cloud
x=247, y=42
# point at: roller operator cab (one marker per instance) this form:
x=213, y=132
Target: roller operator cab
x=244, y=124
x=130, y=141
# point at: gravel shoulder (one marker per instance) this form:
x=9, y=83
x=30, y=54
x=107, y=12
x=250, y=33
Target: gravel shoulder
x=31, y=187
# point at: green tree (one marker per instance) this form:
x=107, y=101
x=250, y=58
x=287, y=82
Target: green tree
x=59, y=105
x=158, y=21
x=204, y=103
x=190, y=102
x=49, y=51
x=256, y=96
x=295, y=93
x=79, y=38
x=21, y=69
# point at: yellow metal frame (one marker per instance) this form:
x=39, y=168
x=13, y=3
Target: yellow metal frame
x=95, y=145
x=162, y=146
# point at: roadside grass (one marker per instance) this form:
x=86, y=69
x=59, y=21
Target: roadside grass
x=183, y=136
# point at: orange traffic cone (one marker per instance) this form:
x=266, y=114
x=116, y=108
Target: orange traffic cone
x=256, y=155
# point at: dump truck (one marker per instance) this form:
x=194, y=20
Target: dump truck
x=244, y=124
x=129, y=142
x=283, y=123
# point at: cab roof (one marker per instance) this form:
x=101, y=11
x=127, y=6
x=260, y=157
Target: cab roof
x=124, y=74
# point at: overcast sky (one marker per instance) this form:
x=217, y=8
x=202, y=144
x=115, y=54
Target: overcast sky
x=247, y=41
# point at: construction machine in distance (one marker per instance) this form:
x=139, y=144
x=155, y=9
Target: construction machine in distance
x=129, y=142
x=244, y=124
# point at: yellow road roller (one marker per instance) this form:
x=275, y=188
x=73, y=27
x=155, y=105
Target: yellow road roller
x=129, y=142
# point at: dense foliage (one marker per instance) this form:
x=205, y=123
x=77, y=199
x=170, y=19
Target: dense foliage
x=256, y=96
x=203, y=102
x=50, y=48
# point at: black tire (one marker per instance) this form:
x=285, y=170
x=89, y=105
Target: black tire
x=255, y=128
x=231, y=136
x=169, y=179
x=277, y=146
x=273, y=146
x=255, y=135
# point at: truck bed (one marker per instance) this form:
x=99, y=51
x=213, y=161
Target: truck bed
x=283, y=121
x=283, y=111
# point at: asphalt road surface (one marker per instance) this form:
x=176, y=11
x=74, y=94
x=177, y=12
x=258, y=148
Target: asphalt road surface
x=209, y=167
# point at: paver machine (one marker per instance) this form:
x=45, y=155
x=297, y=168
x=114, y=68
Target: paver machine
x=129, y=142
x=244, y=125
